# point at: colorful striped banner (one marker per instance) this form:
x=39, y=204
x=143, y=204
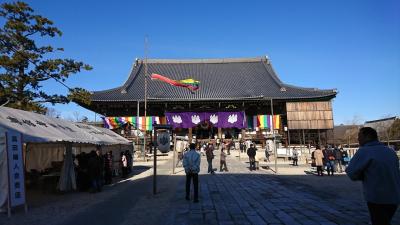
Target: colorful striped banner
x=263, y=121
x=255, y=122
x=141, y=122
x=277, y=121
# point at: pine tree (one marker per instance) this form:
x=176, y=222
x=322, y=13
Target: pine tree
x=24, y=65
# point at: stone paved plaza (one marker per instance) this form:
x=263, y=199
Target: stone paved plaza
x=236, y=197
x=259, y=197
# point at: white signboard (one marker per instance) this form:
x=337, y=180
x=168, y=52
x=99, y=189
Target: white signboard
x=282, y=151
x=16, y=178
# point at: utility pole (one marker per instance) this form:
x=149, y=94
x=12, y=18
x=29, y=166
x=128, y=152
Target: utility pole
x=145, y=97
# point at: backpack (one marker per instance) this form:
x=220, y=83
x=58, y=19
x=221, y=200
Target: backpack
x=331, y=155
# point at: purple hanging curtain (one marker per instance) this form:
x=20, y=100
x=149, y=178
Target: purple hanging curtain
x=217, y=119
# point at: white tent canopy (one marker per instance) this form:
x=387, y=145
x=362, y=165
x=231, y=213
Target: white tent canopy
x=58, y=134
x=37, y=128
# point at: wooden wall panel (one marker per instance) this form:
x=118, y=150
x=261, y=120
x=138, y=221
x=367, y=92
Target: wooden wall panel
x=309, y=115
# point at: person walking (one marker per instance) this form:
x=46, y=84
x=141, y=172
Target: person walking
x=124, y=165
x=319, y=160
x=242, y=146
x=377, y=166
x=210, y=157
x=228, y=146
x=338, y=160
x=251, y=152
x=295, y=154
x=223, y=162
x=95, y=171
x=108, y=167
x=267, y=152
x=345, y=157
x=191, y=163
x=330, y=161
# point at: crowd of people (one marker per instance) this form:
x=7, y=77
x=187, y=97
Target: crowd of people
x=93, y=170
x=207, y=149
x=333, y=159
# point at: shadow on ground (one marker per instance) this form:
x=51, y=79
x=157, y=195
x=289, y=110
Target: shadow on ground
x=225, y=198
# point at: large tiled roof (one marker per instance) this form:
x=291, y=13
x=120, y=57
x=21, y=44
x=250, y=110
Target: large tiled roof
x=220, y=79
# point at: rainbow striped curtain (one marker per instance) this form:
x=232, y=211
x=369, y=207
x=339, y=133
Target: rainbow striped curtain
x=263, y=121
x=141, y=122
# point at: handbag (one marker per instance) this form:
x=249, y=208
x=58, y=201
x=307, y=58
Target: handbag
x=313, y=164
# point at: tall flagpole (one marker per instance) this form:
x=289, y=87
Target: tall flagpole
x=273, y=136
x=145, y=94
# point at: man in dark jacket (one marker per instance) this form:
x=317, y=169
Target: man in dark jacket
x=108, y=167
x=338, y=160
x=95, y=171
x=210, y=157
x=251, y=152
x=242, y=146
x=377, y=166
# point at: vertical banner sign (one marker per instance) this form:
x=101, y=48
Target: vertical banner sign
x=16, y=180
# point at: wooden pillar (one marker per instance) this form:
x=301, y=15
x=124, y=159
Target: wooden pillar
x=326, y=137
x=299, y=134
x=243, y=134
x=273, y=137
x=319, y=138
x=219, y=132
x=173, y=155
x=190, y=135
x=137, y=127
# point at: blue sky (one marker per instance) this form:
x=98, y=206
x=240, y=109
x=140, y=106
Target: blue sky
x=350, y=45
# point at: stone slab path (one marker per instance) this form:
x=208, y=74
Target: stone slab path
x=259, y=197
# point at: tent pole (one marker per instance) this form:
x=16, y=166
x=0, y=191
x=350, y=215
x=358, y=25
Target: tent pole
x=26, y=152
